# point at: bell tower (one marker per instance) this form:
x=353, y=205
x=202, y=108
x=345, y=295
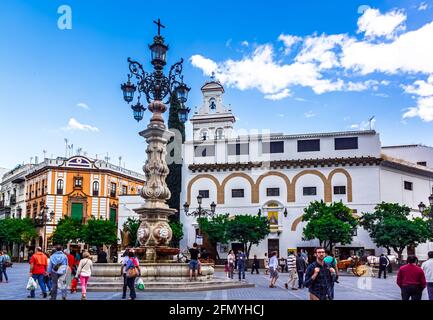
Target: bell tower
x=212, y=121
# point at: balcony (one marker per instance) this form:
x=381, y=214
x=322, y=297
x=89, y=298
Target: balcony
x=113, y=194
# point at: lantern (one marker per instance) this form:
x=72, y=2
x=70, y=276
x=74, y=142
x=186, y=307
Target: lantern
x=128, y=90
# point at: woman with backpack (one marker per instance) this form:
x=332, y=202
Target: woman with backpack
x=5, y=262
x=84, y=272
x=132, y=271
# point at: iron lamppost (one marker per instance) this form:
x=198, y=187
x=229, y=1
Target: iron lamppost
x=41, y=221
x=200, y=211
x=155, y=85
x=422, y=206
x=154, y=231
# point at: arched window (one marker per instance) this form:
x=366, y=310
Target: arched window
x=204, y=135
x=212, y=105
x=59, y=186
x=219, y=134
x=96, y=188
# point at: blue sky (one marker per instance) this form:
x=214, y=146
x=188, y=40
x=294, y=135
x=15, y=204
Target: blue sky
x=288, y=66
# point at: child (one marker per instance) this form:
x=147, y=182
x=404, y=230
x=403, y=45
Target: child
x=227, y=269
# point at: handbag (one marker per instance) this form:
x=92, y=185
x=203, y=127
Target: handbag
x=132, y=272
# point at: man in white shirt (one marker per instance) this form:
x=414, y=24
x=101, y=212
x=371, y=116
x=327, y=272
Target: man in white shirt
x=427, y=267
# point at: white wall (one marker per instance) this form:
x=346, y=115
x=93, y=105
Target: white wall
x=412, y=154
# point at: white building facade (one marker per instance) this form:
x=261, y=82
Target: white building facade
x=278, y=175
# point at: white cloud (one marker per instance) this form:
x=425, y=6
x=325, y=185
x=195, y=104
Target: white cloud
x=364, y=125
x=374, y=24
x=288, y=41
x=83, y=105
x=73, y=124
x=278, y=96
x=245, y=43
x=309, y=114
x=228, y=43
x=421, y=88
x=281, y=115
x=424, y=110
x=207, y=65
x=410, y=52
x=319, y=49
x=423, y=6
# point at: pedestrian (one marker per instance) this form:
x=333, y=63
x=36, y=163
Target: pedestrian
x=332, y=263
x=318, y=277
x=427, y=267
x=304, y=256
x=282, y=262
x=227, y=269
x=38, y=270
x=411, y=280
x=293, y=273
x=102, y=256
x=58, y=269
x=383, y=265
x=273, y=269
x=241, y=260
x=125, y=258
x=5, y=262
x=231, y=261
x=29, y=255
x=301, y=266
x=266, y=263
x=255, y=265
x=193, y=263
x=84, y=272
x=21, y=255
x=71, y=261
x=132, y=270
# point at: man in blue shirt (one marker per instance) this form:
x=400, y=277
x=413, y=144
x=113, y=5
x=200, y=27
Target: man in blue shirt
x=318, y=278
x=241, y=259
x=57, y=267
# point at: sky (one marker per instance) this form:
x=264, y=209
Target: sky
x=287, y=66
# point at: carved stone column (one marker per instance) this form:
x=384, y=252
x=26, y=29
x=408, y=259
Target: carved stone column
x=154, y=229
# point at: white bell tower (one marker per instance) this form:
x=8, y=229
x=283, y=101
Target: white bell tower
x=212, y=121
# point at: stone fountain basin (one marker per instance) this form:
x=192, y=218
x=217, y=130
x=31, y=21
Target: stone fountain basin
x=169, y=271
x=161, y=277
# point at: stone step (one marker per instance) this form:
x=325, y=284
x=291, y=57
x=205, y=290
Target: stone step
x=116, y=286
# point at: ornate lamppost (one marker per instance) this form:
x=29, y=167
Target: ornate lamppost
x=422, y=206
x=154, y=230
x=41, y=221
x=200, y=211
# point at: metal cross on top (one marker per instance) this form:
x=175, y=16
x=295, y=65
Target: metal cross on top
x=159, y=24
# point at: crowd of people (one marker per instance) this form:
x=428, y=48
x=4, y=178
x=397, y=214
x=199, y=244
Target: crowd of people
x=60, y=270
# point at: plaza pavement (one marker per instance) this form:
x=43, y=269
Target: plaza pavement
x=349, y=288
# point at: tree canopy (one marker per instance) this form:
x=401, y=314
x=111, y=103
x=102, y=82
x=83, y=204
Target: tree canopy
x=67, y=229
x=330, y=224
x=99, y=232
x=248, y=230
x=215, y=229
x=390, y=226
x=131, y=226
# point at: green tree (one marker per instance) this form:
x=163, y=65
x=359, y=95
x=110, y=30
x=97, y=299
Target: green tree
x=215, y=229
x=131, y=226
x=390, y=226
x=248, y=230
x=99, y=232
x=330, y=224
x=174, y=156
x=67, y=230
x=18, y=231
x=177, y=229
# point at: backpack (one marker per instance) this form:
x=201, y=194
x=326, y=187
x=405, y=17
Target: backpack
x=7, y=263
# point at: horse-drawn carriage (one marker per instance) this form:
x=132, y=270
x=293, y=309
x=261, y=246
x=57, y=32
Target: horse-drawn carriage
x=363, y=266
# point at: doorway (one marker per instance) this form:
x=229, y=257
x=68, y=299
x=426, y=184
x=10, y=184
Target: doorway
x=273, y=245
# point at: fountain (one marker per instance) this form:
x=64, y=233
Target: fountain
x=158, y=269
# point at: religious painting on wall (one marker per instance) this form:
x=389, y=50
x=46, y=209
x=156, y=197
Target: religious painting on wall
x=273, y=217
